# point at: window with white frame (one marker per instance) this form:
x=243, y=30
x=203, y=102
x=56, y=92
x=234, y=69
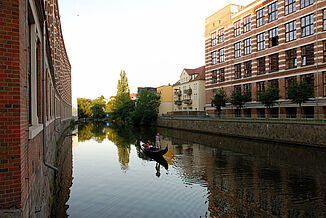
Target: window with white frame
x=237, y=71
x=306, y=3
x=291, y=31
x=272, y=12
x=221, y=35
x=324, y=51
x=273, y=37
x=273, y=63
x=247, y=69
x=260, y=87
x=237, y=29
x=324, y=19
x=260, y=20
x=221, y=55
x=213, y=38
x=324, y=82
x=247, y=89
x=221, y=75
x=273, y=83
x=261, y=41
x=307, y=25
x=307, y=54
x=214, y=57
x=214, y=76
x=291, y=58
x=247, y=46
x=247, y=23
x=237, y=49
x=261, y=66
x=34, y=77
x=290, y=6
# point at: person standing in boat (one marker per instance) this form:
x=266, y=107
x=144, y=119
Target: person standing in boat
x=158, y=167
x=157, y=141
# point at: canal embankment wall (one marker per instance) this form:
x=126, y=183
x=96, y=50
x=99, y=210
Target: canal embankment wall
x=301, y=133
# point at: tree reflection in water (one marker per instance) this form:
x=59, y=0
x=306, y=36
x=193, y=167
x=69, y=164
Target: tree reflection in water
x=240, y=178
x=123, y=138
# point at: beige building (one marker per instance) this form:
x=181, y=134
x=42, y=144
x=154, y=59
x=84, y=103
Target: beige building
x=189, y=91
x=166, y=94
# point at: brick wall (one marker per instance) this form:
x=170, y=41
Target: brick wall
x=21, y=155
x=213, y=23
x=10, y=88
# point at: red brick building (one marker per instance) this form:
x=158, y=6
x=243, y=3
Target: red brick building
x=35, y=102
x=268, y=43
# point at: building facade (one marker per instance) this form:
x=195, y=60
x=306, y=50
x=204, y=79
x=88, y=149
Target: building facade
x=189, y=91
x=166, y=94
x=35, y=103
x=264, y=44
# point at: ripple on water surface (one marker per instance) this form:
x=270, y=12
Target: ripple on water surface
x=218, y=177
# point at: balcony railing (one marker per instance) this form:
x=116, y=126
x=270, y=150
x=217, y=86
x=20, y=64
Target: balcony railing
x=178, y=102
x=187, y=101
x=178, y=92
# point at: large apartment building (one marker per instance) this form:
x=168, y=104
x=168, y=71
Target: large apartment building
x=189, y=91
x=267, y=43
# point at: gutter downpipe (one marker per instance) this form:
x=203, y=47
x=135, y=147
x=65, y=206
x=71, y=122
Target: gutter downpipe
x=44, y=103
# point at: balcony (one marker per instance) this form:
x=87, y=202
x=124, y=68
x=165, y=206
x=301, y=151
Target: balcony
x=187, y=101
x=178, y=102
x=178, y=92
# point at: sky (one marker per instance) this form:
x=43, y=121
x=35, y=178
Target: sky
x=153, y=41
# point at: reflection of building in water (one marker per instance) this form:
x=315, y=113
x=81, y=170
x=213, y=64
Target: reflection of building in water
x=123, y=153
x=166, y=142
x=63, y=179
x=252, y=179
x=75, y=139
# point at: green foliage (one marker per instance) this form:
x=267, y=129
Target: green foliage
x=98, y=111
x=238, y=99
x=146, y=110
x=99, y=100
x=122, y=110
x=269, y=96
x=300, y=92
x=85, y=132
x=84, y=107
x=99, y=131
x=123, y=87
x=72, y=124
x=219, y=100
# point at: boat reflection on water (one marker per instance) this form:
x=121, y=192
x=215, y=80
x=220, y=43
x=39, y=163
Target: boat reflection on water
x=208, y=176
x=160, y=160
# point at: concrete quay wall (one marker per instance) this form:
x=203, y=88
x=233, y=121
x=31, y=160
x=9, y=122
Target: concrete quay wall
x=302, y=133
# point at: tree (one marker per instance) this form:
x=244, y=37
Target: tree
x=123, y=87
x=238, y=99
x=219, y=100
x=299, y=93
x=99, y=100
x=84, y=107
x=146, y=110
x=98, y=111
x=269, y=97
x=122, y=110
x=121, y=107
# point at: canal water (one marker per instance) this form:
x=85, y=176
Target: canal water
x=104, y=174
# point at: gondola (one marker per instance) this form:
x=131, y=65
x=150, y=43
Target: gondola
x=155, y=155
x=153, y=151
